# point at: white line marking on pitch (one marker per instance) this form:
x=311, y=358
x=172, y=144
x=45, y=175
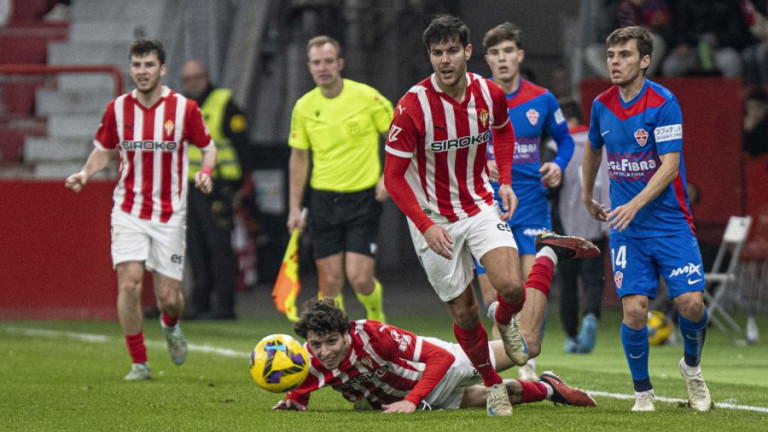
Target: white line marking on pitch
x=86, y=337
x=96, y=338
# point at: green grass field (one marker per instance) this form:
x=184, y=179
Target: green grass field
x=68, y=376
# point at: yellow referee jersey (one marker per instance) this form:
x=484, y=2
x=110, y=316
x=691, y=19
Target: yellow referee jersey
x=343, y=135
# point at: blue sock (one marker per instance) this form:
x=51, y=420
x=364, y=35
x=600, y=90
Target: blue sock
x=694, y=334
x=544, y=323
x=637, y=349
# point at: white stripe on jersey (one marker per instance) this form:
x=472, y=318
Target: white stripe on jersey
x=157, y=165
x=179, y=180
x=138, y=168
x=399, y=153
x=453, y=181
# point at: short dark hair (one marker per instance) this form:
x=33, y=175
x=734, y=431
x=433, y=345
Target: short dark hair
x=505, y=31
x=445, y=28
x=143, y=47
x=321, y=316
x=571, y=109
x=322, y=40
x=625, y=34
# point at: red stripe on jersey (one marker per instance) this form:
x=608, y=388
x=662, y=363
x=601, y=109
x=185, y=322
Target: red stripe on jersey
x=461, y=158
x=147, y=164
x=611, y=99
x=680, y=195
x=442, y=170
x=130, y=176
x=166, y=207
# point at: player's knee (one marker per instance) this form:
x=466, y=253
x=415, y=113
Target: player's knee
x=467, y=318
x=131, y=287
x=636, y=317
x=510, y=289
x=691, y=309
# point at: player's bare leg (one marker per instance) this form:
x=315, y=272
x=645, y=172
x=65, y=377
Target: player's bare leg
x=170, y=301
x=129, y=283
x=503, y=269
x=473, y=340
x=359, y=270
x=330, y=272
x=130, y=276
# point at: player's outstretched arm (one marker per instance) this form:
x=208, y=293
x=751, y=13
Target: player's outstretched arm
x=97, y=161
x=289, y=405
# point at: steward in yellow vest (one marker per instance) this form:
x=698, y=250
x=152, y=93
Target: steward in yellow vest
x=210, y=217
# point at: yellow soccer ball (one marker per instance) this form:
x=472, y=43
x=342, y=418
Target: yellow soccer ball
x=279, y=363
x=660, y=327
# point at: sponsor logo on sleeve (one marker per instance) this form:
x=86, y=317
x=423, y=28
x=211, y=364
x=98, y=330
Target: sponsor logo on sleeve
x=668, y=133
x=559, y=118
x=394, y=131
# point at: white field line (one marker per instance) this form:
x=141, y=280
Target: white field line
x=85, y=337
x=96, y=338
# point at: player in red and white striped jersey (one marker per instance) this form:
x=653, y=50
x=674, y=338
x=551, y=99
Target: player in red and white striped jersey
x=397, y=371
x=436, y=173
x=150, y=128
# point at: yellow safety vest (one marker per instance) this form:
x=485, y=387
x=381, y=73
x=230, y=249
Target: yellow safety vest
x=227, y=163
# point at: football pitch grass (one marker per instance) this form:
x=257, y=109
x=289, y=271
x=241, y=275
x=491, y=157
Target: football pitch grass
x=63, y=376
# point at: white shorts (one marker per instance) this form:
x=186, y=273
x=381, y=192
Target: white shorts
x=159, y=246
x=449, y=392
x=472, y=236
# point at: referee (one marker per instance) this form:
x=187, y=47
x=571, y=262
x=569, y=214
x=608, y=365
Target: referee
x=339, y=123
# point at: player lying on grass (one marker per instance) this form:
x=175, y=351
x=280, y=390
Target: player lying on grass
x=396, y=370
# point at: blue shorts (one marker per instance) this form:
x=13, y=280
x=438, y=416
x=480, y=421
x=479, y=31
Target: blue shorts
x=525, y=237
x=638, y=262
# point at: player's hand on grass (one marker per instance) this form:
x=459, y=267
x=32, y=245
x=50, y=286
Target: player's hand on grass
x=508, y=201
x=402, y=406
x=289, y=405
x=621, y=216
x=493, y=171
x=595, y=209
x=439, y=241
x=551, y=174
x=76, y=181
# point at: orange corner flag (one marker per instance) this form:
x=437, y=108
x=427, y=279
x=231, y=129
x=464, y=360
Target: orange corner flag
x=287, y=286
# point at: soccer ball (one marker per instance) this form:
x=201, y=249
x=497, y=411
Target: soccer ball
x=659, y=327
x=279, y=363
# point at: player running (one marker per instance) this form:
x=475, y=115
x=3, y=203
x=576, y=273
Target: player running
x=533, y=110
x=151, y=128
x=398, y=371
x=436, y=174
x=652, y=234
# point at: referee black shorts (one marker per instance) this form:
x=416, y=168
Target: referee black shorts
x=344, y=221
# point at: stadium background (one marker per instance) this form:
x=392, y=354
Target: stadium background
x=55, y=254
